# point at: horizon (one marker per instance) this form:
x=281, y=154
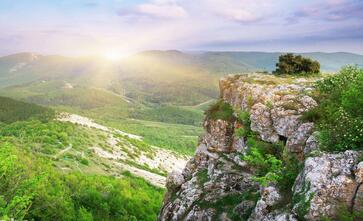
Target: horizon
x=181, y=51
x=117, y=28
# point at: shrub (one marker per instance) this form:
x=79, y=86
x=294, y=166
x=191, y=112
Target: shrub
x=220, y=110
x=340, y=111
x=261, y=157
x=296, y=64
x=312, y=115
x=240, y=132
x=244, y=118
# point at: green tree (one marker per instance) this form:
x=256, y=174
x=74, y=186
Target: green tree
x=296, y=64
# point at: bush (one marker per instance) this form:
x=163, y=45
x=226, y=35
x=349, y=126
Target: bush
x=220, y=110
x=265, y=158
x=341, y=114
x=240, y=132
x=296, y=64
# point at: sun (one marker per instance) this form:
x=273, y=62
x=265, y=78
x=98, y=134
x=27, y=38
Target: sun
x=114, y=55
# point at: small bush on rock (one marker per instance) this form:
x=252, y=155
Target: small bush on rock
x=220, y=110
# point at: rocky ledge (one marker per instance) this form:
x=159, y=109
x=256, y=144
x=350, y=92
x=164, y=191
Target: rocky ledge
x=218, y=184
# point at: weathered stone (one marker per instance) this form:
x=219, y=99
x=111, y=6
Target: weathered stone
x=269, y=198
x=261, y=123
x=174, y=180
x=358, y=200
x=198, y=214
x=219, y=136
x=312, y=143
x=358, y=171
x=296, y=143
x=308, y=102
x=244, y=208
x=327, y=181
x=217, y=170
x=285, y=122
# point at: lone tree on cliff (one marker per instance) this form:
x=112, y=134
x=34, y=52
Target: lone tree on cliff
x=296, y=64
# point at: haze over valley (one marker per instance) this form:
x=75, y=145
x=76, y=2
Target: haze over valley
x=181, y=110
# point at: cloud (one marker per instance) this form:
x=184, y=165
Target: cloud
x=240, y=11
x=90, y=4
x=161, y=9
x=330, y=10
x=182, y=24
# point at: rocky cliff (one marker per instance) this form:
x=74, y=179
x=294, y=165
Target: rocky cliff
x=220, y=183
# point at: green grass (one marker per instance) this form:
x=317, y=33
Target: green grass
x=178, y=138
x=170, y=114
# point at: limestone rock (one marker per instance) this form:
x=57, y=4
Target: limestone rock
x=219, y=135
x=296, y=143
x=269, y=197
x=174, y=180
x=325, y=183
x=312, y=143
x=285, y=122
x=261, y=122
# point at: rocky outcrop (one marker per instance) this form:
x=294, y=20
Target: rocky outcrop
x=275, y=106
x=217, y=184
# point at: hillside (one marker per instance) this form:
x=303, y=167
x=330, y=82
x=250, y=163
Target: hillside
x=65, y=161
x=12, y=111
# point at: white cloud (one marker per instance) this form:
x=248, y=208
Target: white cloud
x=161, y=10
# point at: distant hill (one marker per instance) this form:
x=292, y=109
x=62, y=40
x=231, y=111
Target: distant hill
x=250, y=61
x=160, y=77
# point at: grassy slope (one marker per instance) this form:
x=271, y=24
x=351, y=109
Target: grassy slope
x=167, y=126
x=34, y=149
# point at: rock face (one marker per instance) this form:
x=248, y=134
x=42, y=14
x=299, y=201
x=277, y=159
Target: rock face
x=275, y=108
x=217, y=184
x=329, y=181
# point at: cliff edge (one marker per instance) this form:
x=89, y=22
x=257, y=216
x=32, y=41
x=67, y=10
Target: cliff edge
x=260, y=160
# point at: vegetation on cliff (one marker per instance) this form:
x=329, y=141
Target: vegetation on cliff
x=340, y=113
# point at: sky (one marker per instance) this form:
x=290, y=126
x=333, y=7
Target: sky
x=121, y=27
